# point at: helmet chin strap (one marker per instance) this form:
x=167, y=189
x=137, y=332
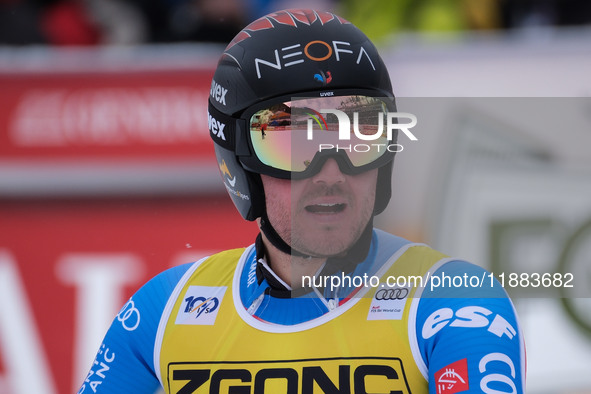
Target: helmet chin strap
x=276, y=239
x=356, y=253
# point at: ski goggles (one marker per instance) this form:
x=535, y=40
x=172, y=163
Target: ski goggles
x=292, y=137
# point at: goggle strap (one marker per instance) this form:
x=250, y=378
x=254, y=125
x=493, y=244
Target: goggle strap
x=222, y=128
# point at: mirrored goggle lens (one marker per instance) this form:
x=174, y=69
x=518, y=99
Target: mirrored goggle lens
x=288, y=135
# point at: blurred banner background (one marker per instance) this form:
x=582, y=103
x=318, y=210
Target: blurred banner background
x=107, y=172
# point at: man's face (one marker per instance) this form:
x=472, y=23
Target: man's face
x=322, y=215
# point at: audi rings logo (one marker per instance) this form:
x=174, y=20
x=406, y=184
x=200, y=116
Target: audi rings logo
x=129, y=316
x=391, y=294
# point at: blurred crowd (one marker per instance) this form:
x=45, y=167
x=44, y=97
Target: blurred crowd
x=126, y=22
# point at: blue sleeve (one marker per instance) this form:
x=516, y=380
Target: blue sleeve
x=468, y=334
x=125, y=360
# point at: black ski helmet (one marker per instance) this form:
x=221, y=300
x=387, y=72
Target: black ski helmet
x=287, y=52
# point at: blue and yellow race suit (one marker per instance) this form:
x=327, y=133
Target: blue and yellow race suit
x=407, y=319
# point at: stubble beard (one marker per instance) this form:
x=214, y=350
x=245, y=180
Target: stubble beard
x=326, y=240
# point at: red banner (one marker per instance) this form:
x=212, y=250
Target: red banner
x=129, y=115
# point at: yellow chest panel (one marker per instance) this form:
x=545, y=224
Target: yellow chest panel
x=210, y=344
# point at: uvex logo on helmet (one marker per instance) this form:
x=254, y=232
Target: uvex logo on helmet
x=218, y=92
x=216, y=127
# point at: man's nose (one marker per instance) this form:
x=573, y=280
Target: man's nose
x=330, y=173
